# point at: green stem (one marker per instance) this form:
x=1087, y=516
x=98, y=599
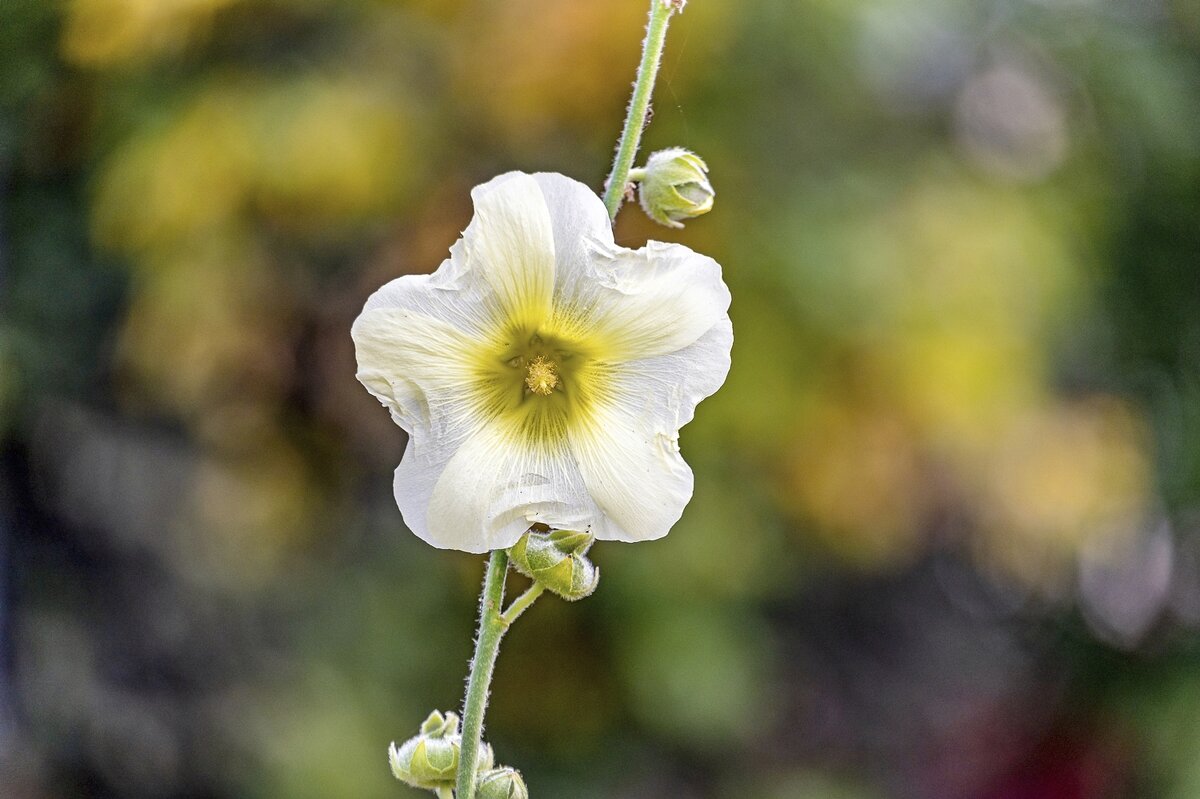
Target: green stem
x=519, y=604
x=445, y=793
x=487, y=646
x=639, y=104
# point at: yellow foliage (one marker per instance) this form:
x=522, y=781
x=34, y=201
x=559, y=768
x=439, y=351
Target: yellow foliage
x=205, y=325
x=856, y=474
x=310, y=155
x=534, y=70
x=1061, y=478
x=104, y=32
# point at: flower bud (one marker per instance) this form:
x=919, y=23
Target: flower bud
x=558, y=561
x=430, y=760
x=501, y=783
x=674, y=187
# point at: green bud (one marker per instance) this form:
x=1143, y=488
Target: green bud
x=430, y=760
x=502, y=783
x=674, y=186
x=425, y=762
x=557, y=560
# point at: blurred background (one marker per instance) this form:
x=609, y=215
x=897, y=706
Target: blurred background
x=946, y=535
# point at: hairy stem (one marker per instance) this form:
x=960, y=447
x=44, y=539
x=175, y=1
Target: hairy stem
x=519, y=604
x=639, y=104
x=487, y=646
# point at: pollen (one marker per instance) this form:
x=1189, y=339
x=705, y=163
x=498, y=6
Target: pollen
x=542, y=377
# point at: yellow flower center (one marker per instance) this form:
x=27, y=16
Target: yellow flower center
x=539, y=383
x=542, y=376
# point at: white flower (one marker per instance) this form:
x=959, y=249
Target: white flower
x=543, y=372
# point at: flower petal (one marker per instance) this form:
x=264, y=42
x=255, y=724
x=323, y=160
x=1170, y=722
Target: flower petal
x=417, y=366
x=629, y=454
x=634, y=473
x=510, y=245
x=488, y=494
x=581, y=229
x=451, y=294
x=667, y=388
x=648, y=302
x=501, y=271
x=644, y=303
